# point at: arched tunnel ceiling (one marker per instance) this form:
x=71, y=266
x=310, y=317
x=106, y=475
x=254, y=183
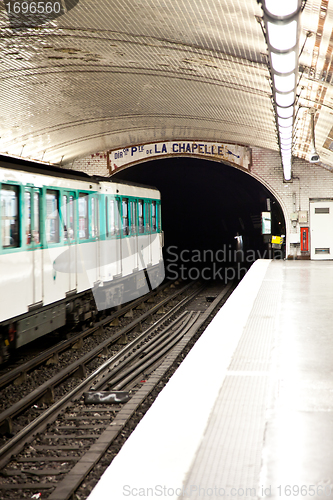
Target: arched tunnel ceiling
x=111, y=73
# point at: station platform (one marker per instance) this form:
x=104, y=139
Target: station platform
x=249, y=412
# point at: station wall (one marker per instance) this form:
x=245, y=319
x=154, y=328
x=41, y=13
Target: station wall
x=310, y=182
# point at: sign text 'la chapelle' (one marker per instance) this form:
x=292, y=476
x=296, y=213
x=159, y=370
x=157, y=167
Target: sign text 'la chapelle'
x=232, y=153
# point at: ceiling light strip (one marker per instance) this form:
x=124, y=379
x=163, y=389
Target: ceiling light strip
x=282, y=28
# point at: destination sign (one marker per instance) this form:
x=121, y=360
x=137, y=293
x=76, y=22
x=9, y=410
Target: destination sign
x=217, y=151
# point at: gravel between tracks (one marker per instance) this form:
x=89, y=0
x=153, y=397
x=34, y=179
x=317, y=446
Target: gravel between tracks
x=94, y=476
x=14, y=393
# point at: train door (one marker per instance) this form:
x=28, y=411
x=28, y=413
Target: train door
x=94, y=231
x=148, y=229
x=125, y=241
x=142, y=238
x=154, y=230
x=321, y=224
x=113, y=257
x=118, y=249
x=32, y=200
x=69, y=224
x=134, y=231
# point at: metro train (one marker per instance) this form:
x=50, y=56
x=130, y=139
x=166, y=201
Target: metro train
x=71, y=245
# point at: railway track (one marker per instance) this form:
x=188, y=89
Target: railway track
x=69, y=438
x=19, y=373
x=77, y=367
x=35, y=397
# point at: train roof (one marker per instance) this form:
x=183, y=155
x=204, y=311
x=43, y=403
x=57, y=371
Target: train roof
x=41, y=168
x=47, y=169
x=126, y=183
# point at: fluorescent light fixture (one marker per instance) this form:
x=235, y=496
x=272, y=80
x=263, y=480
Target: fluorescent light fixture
x=285, y=112
x=282, y=36
x=281, y=8
x=286, y=170
x=286, y=142
x=314, y=156
x=284, y=63
x=285, y=122
x=285, y=83
x=284, y=131
x=285, y=99
x=286, y=156
x=282, y=25
x=285, y=136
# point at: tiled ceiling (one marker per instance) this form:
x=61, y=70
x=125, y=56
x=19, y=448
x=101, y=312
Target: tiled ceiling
x=110, y=73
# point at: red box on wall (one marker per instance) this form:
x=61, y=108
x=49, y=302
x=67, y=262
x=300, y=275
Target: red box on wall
x=304, y=239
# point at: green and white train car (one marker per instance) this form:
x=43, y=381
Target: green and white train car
x=71, y=245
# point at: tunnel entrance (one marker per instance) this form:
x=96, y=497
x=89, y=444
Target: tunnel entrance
x=211, y=215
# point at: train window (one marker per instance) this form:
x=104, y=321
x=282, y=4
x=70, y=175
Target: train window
x=36, y=231
x=141, y=217
x=106, y=218
x=133, y=217
x=153, y=216
x=9, y=216
x=68, y=216
x=27, y=202
x=117, y=217
x=83, y=216
x=112, y=220
x=71, y=219
x=148, y=217
x=125, y=217
x=52, y=216
x=94, y=217
x=65, y=216
x=159, y=217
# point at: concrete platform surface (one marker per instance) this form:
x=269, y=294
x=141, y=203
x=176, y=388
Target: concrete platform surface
x=249, y=413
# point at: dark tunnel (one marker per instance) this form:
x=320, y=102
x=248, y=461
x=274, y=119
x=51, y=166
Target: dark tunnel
x=211, y=215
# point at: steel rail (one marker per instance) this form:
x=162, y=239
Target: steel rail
x=157, y=354
x=147, y=332
x=39, y=424
x=50, y=384
x=66, y=344
x=129, y=358
x=67, y=486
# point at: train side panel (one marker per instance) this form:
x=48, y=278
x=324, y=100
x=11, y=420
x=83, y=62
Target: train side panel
x=110, y=259
x=62, y=237
x=16, y=284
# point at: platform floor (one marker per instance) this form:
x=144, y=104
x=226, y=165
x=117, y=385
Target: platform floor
x=249, y=413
